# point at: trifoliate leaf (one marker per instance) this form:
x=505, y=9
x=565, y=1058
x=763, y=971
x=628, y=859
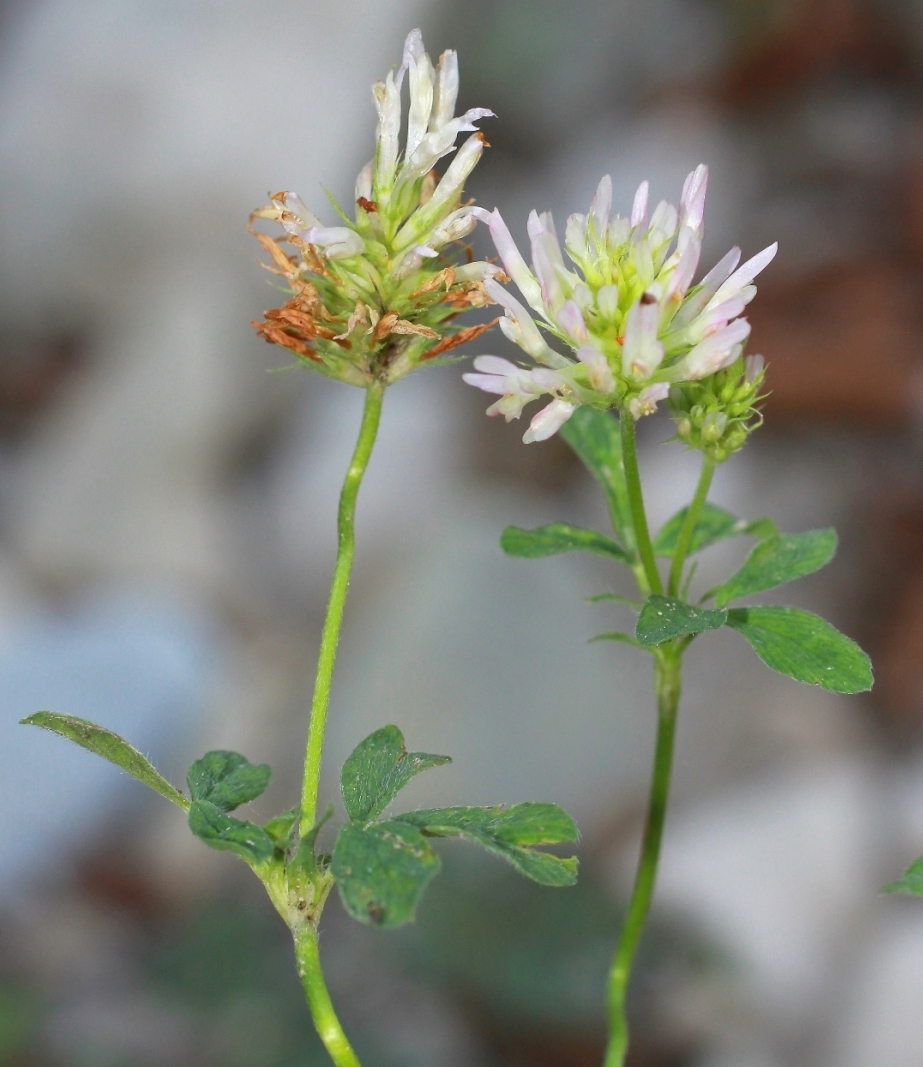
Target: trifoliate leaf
x=558, y=537
x=110, y=746
x=805, y=647
x=227, y=779
x=595, y=437
x=663, y=618
x=378, y=769
x=778, y=560
x=382, y=870
x=714, y=524
x=219, y=830
x=910, y=882
x=512, y=833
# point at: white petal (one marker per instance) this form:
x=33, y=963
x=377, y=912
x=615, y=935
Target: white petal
x=364, y=181
x=602, y=204
x=478, y=271
x=642, y=353
x=495, y=365
x=570, y=318
x=489, y=383
x=689, y=249
x=514, y=263
x=446, y=90
x=746, y=273
x=549, y=420
x=692, y=204
x=607, y=300
x=753, y=368
x=599, y=372
x=639, y=207
x=440, y=142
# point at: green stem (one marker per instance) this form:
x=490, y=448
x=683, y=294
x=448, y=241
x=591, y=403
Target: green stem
x=328, y=646
x=328, y=1025
x=684, y=541
x=636, y=502
x=667, y=683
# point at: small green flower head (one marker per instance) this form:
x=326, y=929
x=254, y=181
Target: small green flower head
x=630, y=313
x=375, y=296
x=717, y=414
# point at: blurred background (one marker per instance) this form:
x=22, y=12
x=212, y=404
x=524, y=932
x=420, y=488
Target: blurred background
x=167, y=535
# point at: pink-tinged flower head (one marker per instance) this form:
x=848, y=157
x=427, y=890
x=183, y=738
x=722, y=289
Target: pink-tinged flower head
x=629, y=319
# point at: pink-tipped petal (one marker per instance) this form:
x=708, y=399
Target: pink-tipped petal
x=746, y=272
x=495, y=365
x=692, y=204
x=570, y=319
x=639, y=207
x=514, y=263
x=642, y=353
x=602, y=204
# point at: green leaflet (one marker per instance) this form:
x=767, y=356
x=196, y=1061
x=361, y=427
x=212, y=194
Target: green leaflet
x=219, y=830
x=281, y=828
x=911, y=881
x=778, y=560
x=805, y=647
x=382, y=870
x=618, y=635
x=663, y=618
x=715, y=524
x=110, y=746
x=510, y=833
x=594, y=436
x=558, y=537
x=227, y=779
x=378, y=769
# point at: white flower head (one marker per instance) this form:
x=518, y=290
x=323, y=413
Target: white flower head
x=375, y=297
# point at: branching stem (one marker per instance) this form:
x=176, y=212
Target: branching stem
x=684, y=541
x=636, y=502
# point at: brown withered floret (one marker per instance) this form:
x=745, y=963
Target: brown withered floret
x=456, y=339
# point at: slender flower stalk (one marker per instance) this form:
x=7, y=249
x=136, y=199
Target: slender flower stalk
x=684, y=541
x=346, y=545
x=636, y=503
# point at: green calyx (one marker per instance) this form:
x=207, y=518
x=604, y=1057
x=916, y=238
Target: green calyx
x=717, y=414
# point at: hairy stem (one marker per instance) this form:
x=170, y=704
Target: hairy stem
x=684, y=541
x=325, y=1018
x=331, y=634
x=667, y=684
x=636, y=502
